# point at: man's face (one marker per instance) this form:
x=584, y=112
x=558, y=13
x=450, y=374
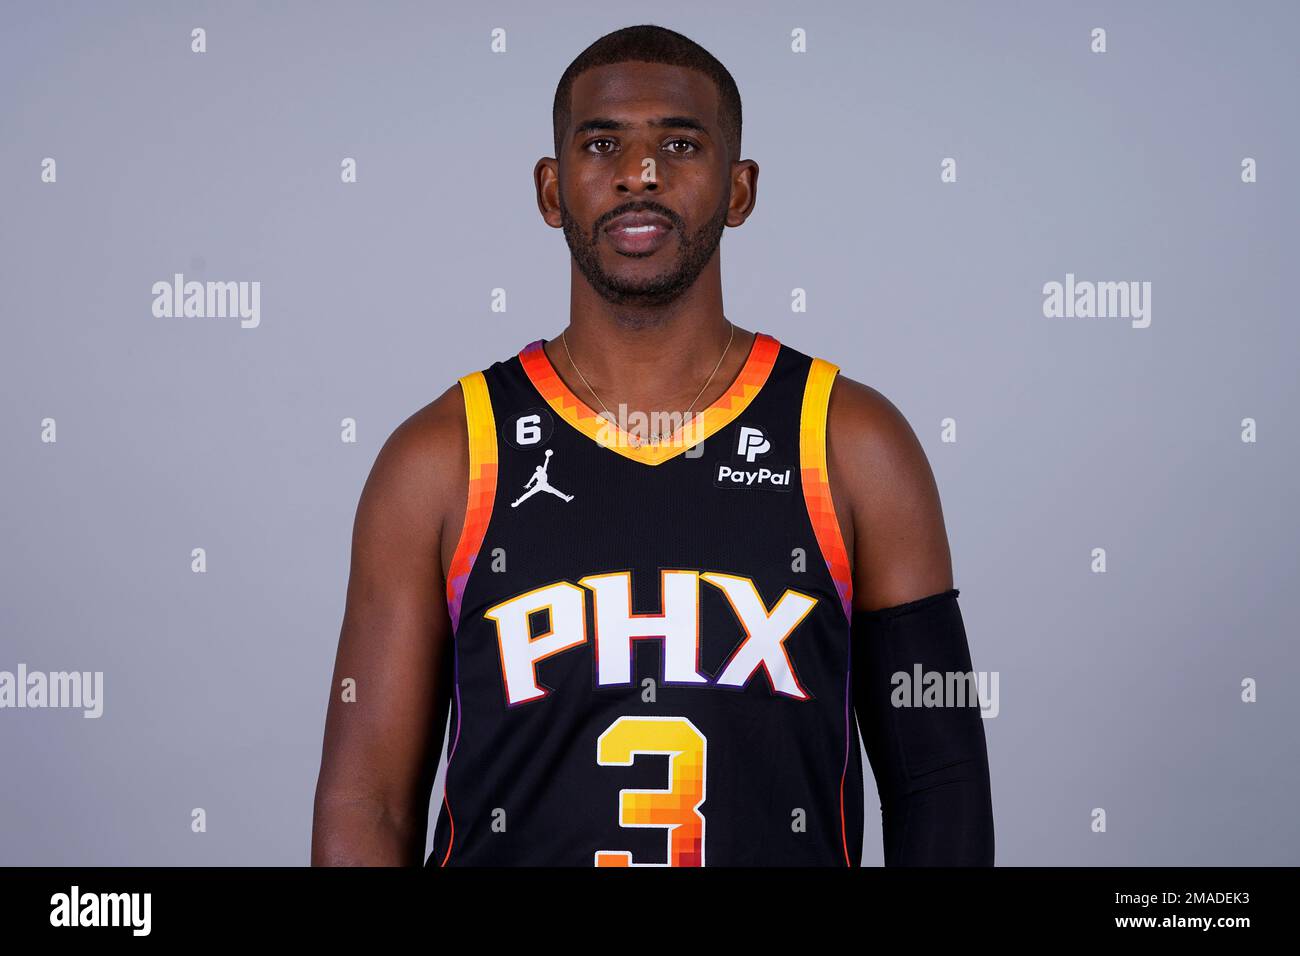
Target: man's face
x=621, y=116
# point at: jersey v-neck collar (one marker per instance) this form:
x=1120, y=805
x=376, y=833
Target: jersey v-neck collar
x=596, y=426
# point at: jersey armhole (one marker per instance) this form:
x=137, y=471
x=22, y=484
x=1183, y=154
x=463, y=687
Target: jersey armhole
x=481, y=428
x=815, y=478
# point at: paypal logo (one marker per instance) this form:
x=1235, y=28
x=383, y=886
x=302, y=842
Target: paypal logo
x=752, y=443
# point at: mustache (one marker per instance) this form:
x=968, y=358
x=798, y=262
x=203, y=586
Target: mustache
x=636, y=207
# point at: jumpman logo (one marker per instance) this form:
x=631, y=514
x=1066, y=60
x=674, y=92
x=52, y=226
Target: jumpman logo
x=539, y=483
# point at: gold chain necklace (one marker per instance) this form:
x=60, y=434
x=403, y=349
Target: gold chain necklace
x=655, y=437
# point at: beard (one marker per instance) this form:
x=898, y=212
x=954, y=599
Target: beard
x=693, y=254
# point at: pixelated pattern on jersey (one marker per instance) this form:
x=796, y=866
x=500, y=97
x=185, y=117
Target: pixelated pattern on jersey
x=482, y=488
x=752, y=375
x=816, y=485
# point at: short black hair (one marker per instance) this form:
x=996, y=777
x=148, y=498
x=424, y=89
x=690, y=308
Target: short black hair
x=651, y=44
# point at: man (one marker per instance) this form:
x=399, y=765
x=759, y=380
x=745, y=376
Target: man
x=657, y=658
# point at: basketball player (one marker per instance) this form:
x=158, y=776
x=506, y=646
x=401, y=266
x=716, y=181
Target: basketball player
x=655, y=571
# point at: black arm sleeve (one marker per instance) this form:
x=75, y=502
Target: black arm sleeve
x=930, y=763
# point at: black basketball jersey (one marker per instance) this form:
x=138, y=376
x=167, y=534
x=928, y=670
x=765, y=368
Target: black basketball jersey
x=651, y=641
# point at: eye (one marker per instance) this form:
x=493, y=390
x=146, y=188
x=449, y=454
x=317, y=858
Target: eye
x=603, y=139
x=686, y=142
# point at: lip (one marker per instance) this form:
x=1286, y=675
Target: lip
x=651, y=229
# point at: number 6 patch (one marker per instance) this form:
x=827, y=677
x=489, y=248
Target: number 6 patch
x=530, y=428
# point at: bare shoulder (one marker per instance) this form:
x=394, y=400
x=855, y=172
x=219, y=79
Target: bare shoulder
x=886, y=498
x=419, y=480
x=870, y=442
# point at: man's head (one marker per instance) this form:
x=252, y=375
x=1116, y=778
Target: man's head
x=651, y=44
x=646, y=122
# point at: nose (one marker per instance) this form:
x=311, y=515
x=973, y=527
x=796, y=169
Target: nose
x=633, y=174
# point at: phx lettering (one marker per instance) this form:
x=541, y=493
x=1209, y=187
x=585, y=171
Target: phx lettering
x=677, y=629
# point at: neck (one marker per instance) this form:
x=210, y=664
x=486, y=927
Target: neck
x=654, y=359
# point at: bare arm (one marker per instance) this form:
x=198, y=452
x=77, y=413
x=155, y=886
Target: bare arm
x=881, y=480
x=381, y=751
x=930, y=764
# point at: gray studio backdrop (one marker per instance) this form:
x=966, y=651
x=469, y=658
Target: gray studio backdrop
x=1164, y=446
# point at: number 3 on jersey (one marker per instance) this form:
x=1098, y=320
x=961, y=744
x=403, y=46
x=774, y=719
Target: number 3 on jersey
x=678, y=807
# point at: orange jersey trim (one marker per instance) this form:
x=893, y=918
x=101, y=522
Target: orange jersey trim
x=482, y=488
x=753, y=374
x=816, y=481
